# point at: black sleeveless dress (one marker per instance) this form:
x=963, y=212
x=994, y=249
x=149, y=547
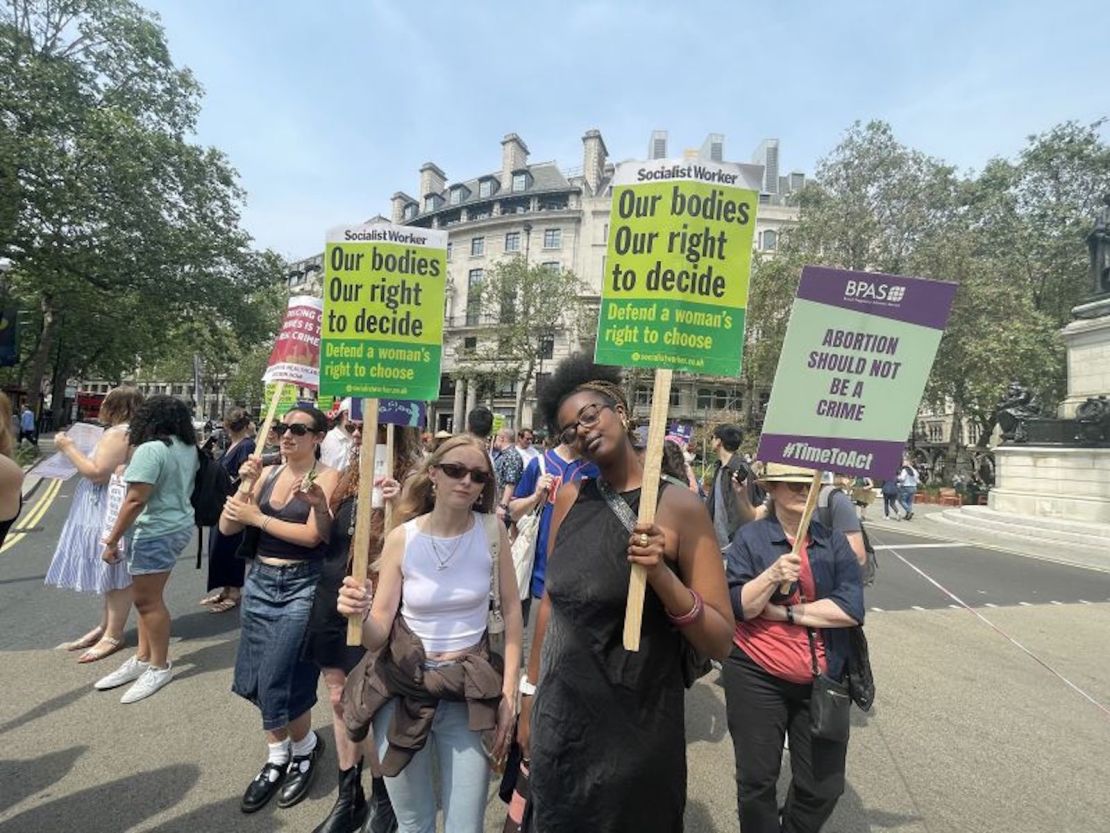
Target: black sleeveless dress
x=608, y=731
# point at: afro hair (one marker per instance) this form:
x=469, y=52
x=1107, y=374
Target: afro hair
x=571, y=374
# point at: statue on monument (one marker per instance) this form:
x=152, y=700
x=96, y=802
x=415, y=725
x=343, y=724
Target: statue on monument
x=1015, y=408
x=1098, y=242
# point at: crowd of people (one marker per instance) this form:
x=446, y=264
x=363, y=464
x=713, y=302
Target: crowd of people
x=441, y=681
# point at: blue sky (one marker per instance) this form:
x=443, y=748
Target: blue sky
x=327, y=108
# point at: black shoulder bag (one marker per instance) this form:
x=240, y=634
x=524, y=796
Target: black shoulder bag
x=694, y=665
x=829, y=701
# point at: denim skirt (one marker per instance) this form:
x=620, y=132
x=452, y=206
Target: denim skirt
x=269, y=670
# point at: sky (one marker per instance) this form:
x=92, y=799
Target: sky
x=328, y=108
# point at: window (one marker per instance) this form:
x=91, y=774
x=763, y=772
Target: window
x=410, y=211
x=547, y=346
x=552, y=238
x=718, y=399
x=512, y=241
x=676, y=397
x=770, y=240
x=470, y=344
x=477, y=246
x=554, y=265
x=473, y=297
x=520, y=181
x=429, y=204
x=456, y=196
x=449, y=250
x=485, y=188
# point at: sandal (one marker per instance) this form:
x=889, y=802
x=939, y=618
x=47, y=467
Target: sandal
x=224, y=605
x=97, y=652
x=86, y=641
x=215, y=598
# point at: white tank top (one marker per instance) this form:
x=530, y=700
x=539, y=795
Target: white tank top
x=446, y=586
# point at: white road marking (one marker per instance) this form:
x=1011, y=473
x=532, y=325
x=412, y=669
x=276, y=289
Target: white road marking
x=1025, y=604
x=955, y=607
x=877, y=610
x=1084, y=602
x=922, y=546
x=918, y=607
x=988, y=604
x=1054, y=602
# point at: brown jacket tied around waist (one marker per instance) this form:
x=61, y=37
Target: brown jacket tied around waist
x=398, y=671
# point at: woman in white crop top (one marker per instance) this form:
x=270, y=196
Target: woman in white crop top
x=436, y=572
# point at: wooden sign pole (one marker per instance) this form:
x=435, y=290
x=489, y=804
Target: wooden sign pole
x=361, y=561
x=246, y=485
x=387, y=506
x=803, y=525
x=649, y=496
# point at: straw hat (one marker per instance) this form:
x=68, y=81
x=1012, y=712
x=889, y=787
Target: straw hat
x=782, y=473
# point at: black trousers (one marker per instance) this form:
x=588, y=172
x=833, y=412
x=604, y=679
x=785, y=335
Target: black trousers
x=890, y=505
x=762, y=709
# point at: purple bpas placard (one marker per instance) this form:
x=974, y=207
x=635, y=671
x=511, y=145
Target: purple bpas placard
x=404, y=412
x=853, y=366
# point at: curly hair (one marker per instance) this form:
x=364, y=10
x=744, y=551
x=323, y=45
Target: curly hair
x=120, y=405
x=578, y=373
x=418, y=498
x=162, y=417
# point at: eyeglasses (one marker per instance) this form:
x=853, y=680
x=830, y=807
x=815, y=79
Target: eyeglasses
x=587, y=418
x=457, y=471
x=297, y=429
x=351, y=427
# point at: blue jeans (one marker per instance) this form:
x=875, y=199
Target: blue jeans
x=463, y=774
x=905, y=497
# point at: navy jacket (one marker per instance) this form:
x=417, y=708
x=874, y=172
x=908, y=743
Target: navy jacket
x=836, y=574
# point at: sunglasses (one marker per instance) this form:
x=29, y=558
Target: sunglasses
x=351, y=427
x=457, y=471
x=796, y=488
x=297, y=429
x=588, y=417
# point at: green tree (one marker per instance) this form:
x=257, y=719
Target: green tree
x=523, y=309
x=107, y=205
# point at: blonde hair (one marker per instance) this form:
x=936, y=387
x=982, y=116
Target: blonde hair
x=5, y=425
x=419, y=497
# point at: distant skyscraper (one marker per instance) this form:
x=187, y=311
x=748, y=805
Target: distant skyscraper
x=767, y=155
x=657, y=147
x=713, y=148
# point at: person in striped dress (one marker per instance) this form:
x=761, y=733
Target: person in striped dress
x=77, y=564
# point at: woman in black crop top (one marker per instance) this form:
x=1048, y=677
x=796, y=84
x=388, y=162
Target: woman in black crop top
x=289, y=505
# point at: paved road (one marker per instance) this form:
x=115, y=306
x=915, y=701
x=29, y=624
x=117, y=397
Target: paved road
x=989, y=719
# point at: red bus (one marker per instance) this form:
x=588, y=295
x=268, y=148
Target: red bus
x=88, y=404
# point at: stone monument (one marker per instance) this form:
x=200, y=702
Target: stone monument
x=1060, y=468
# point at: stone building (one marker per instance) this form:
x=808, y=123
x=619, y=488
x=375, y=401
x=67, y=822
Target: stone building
x=552, y=216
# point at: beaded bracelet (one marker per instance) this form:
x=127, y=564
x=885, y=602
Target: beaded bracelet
x=690, y=616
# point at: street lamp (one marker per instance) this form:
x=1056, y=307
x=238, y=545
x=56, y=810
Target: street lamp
x=527, y=240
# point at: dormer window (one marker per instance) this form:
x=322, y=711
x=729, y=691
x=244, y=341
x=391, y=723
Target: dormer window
x=431, y=202
x=458, y=194
x=485, y=188
x=520, y=181
x=410, y=211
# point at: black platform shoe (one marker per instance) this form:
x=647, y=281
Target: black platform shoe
x=350, y=810
x=382, y=817
x=301, y=774
x=263, y=787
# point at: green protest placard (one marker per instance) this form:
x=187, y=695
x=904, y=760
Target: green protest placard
x=382, y=333
x=286, y=400
x=675, y=285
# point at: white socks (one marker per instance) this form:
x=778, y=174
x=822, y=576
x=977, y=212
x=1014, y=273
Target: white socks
x=279, y=753
x=305, y=745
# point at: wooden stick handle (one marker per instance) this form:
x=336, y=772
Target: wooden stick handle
x=361, y=557
x=246, y=485
x=803, y=527
x=390, y=440
x=649, y=496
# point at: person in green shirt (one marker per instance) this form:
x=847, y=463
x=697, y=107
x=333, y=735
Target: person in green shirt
x=157, y=519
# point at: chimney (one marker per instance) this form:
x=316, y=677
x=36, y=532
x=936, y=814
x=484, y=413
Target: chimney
x=514, y=156
x=713, y=148
x=397, y=207
x=594, y=154
x=432, y=179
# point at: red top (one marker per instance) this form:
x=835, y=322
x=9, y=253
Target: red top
x=779, y=648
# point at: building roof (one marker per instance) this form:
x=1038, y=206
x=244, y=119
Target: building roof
x=546, y=179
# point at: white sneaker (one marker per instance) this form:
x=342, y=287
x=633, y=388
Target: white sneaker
x=151, y=680
x=130, y=670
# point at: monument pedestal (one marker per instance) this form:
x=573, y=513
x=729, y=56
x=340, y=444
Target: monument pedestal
x=1088, y=344
x=1053, y=482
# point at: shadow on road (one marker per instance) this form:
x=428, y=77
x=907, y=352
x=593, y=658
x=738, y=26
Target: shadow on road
x=851, y=816
x=705, y=715
x=47, y=708
x=19, y=779
x=204, y=625
x=116, y=805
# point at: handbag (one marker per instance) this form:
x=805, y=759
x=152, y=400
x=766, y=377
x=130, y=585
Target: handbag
x=524, y=546
x=829, y=702
x=495, y=624
x=861, y=682
x=694, y=665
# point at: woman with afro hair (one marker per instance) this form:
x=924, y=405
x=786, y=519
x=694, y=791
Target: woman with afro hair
x=604, y=727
